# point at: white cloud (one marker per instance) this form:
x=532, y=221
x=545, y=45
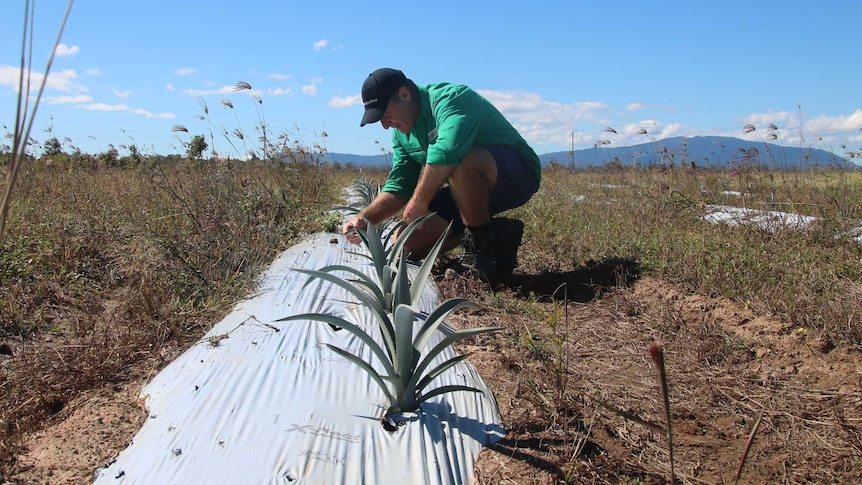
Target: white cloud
x=64, y=81
x=279, y=77
x=93, y=72
x=123, y=107
x=59, y=80
x=316, y=80
x=829, y=124
x=551, y=126
x=152, y=115
x=309, y=90
x=545, y=122
x=121, y=94
x=169, y=87
x=321, y=44
x=660, y=131
x=647, y=130
x=106, y=107
x=202, y=93
x=185, y=71
x=758, y=119
x=9, y=76
x=279, y=92
x=77, y=99
x=795, y=129
x=345, y=102
x=65, y=50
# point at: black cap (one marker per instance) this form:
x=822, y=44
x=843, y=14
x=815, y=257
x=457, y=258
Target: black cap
x=376, y=91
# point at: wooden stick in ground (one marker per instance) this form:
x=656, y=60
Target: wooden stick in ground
x=657, y=353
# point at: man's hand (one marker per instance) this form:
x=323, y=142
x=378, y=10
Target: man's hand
x=414, y=210
x=349, y=229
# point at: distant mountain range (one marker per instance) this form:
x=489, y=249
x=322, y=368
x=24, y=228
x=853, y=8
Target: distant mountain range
x=703, y=151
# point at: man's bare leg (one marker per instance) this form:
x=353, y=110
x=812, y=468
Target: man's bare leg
x=471, y=184
x=424, y=238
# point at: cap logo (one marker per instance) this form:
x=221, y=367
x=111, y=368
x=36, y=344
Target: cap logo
x=377, y=89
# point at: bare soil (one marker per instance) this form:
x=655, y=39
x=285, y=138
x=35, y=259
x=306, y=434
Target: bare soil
x=581, y=339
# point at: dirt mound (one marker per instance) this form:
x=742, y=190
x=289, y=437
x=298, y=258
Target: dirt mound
x=726, y=367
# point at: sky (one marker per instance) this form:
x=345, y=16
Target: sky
x=565, y=73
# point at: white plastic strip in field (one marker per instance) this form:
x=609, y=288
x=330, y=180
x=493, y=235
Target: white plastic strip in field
x=266, y=402
x=771, y=221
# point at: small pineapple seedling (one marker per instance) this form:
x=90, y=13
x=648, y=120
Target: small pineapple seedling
x=404, y=378
x=393, y=286
x=403, y=364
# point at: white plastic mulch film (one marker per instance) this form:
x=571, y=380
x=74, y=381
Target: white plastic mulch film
x=259, y=401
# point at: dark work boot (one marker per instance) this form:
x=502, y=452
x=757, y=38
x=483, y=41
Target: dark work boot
x=478, y=256
x=507, y=238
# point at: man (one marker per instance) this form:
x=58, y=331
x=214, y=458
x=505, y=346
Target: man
x=448, y=133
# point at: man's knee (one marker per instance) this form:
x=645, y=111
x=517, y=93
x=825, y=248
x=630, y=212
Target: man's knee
x=477, y=164
x=421, y=240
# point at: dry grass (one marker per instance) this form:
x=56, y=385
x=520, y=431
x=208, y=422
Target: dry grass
x=108, y=273
x=104, y=269
x=25, y=112
x=807, y=278
x=721, y=381
x=760, y=329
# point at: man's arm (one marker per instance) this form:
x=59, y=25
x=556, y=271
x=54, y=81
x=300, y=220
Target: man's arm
x=384, y=206
x=433, y=177
x=457, y=122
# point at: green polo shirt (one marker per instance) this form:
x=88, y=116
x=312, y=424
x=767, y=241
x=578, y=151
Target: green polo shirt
x=452, y=119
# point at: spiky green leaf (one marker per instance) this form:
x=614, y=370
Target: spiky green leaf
x=436, y=318
x=364, y=281
x=371, y=238
x=350, y=327
x=424, y=272
x=415, y=385
x=388, y=230
x=404, y=318
x=367, y=368
x=446, y=342
x=361, y=255
x=394, y=251
x=440, y=390
x=382, y=318
x=387, y=283
x=360, y=294
x=402, y=283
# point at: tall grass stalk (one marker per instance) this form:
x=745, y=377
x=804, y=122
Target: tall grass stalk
x=657, y=353
x=244, y=86
x=23, y=118
x=748, y=444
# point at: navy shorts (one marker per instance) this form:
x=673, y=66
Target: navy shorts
x=517, y=181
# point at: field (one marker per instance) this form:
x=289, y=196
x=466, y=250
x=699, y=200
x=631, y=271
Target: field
x=110, y=270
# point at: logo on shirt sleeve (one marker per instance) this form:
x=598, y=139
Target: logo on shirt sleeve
x=432, y=136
